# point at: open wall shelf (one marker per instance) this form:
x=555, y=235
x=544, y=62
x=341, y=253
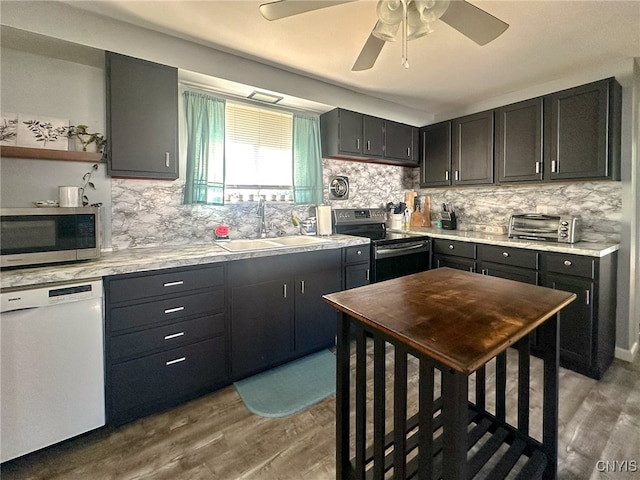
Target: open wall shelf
x=47, y=154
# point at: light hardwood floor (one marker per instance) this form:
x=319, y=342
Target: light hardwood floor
x=215, y=437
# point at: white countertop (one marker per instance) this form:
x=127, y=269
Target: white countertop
x=154, y=258
x=578, y=248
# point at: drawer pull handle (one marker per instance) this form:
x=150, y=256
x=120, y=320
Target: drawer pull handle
x=359, y=252
x=451, y=247
x=567, y=263
x=302, y=286
x=177, y=360
x=173, y=310
x=505, y=254
x=173, y=284
x=173, y=335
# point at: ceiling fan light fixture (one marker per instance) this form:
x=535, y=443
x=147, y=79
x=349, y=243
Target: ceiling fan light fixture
x=416, y=27
x=390, y=11
x=431, y=10
x=386, y=31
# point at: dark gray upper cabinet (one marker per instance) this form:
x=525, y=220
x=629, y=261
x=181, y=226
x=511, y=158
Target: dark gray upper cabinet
x=519, y=142
x=142, y=118
x=435, y=155
x=401, y=142
x=472, y=154
x=350, y=135
x=373, y=143
x=582, y=132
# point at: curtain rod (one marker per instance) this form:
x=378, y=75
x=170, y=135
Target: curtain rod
x=231, y=96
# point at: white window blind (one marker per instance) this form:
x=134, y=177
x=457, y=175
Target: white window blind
x=258, y=147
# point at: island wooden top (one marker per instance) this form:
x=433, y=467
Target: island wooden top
x=458, y=318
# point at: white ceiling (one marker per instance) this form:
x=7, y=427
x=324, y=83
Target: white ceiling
x=546, y=40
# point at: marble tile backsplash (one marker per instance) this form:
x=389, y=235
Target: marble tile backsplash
x=150, y=212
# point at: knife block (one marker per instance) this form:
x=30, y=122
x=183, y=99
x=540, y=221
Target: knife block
x=449, y=221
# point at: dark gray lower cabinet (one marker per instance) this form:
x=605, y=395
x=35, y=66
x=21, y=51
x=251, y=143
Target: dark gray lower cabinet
x=165, y=339
x=357, y=266
x=454, y=254
x=587, y=325
x=276, y=308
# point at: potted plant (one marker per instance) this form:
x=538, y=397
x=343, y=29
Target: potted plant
x=81, y=134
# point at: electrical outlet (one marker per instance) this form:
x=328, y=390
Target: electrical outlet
x=543, y=209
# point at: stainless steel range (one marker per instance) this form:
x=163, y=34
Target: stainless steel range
x=393, y=254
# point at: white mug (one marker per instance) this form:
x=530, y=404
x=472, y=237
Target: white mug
x=69, y=196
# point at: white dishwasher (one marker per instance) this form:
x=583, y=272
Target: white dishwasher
x=51, y=365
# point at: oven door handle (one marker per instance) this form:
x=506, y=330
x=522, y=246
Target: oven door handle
x=405, y=249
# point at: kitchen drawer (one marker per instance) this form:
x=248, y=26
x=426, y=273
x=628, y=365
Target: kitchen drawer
x=569, y=264
x=453, y=247
x=173, y=374
x=516, y=257
x=167, y=336
x=357, y=254
x=459, y=263
x=161, y=311
x=135, y=287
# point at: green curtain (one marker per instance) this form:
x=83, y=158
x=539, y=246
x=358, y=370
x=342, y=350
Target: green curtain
x=205, y=149
x=307, y=159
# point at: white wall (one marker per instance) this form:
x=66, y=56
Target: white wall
x=40, y=85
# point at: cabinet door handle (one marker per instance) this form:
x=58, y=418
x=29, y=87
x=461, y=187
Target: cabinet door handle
x=483, y=271
x=471, y=269
x=166, y=159
x=588, y=296
x=367, y=275
x=284, y=291
x=554, y=166
x=302, y=286
x=505, y=254
x=446, y=175
x=456, y=176
x=408, y=151
x=177, y=360
x=368, y=145
x=173, y=310
x=173, y=335
x=357, y=144
x=567, y=263
x=537, y=167
x=173, y=284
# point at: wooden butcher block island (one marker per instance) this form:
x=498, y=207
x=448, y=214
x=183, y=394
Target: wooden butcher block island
x=450, y=323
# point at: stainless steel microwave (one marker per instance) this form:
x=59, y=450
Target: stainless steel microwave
x=35, y=236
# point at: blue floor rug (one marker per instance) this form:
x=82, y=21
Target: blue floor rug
x=291, y=387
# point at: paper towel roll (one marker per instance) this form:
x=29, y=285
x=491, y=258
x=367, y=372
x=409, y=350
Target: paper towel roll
x=324, y=219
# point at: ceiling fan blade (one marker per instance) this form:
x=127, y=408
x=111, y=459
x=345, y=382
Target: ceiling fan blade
x=473, y=22
x=368, y=54
x=287, y=8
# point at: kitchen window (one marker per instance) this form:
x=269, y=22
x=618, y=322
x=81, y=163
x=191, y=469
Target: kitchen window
x=235, y=150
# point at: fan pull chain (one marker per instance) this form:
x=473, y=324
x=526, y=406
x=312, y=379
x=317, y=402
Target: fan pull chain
x=405, y=31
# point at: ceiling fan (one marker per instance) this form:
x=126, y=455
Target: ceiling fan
x=412, y=18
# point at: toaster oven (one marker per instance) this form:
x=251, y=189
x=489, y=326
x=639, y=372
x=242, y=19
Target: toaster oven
x=553, y=228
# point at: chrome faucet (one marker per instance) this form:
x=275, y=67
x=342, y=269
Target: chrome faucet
x=262, y=225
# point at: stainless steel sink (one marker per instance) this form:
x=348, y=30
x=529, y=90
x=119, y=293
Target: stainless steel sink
x=298, y=240
x=243, y=245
